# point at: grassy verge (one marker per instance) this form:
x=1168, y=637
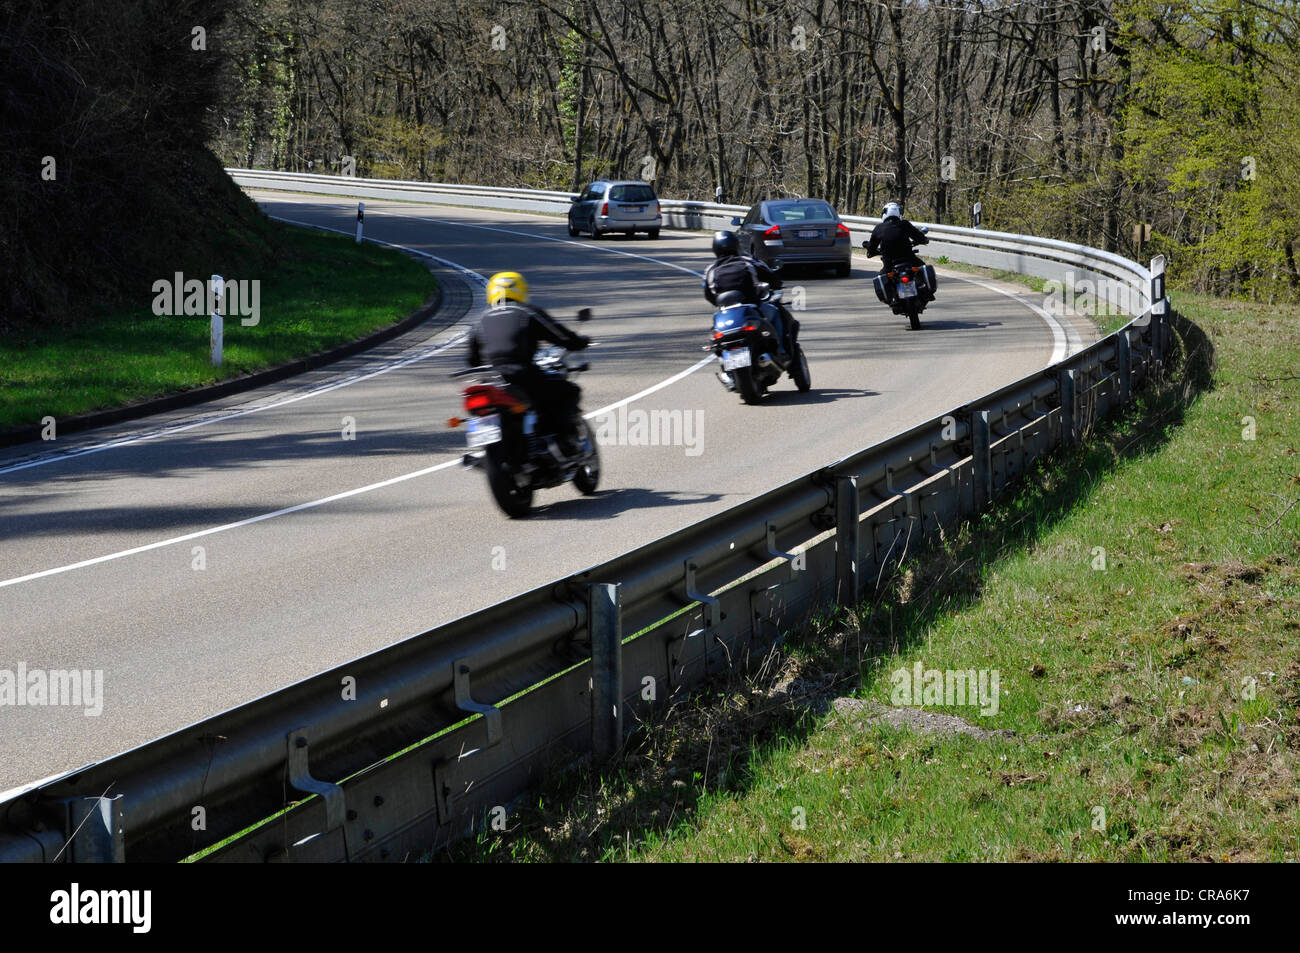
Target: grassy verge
x=323, y=290
x=1148, y=710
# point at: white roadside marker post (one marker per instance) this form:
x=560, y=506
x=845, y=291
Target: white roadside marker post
x=361, y=217
x=218, y=325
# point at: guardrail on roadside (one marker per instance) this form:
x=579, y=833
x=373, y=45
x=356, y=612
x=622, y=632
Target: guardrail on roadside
x=476, y=707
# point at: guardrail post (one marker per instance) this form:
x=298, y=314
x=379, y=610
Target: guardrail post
x=1124, y=353
x=1158, y=311
x=1069, y=428
x=981, y=439
x=216, y=329
x=605, y=624
x=99, y=835
x=361, y=219
x=846, y=540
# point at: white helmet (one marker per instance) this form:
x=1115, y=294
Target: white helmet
x=891, y=210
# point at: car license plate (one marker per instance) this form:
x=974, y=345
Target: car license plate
x=738, y=358
x=907, y=289
x=634, y=208
x=484, y=430
x=809, y=233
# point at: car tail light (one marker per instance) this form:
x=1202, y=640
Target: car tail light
x=604, y=209
x=716, y=335
x=842, y=229
x=656, y=208
x=749, y=327
x=774, y=230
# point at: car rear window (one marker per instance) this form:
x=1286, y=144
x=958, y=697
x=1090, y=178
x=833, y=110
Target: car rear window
x=803, y=212
x=632, y=193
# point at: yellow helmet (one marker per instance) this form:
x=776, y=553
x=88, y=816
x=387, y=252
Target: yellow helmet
x=507, y=286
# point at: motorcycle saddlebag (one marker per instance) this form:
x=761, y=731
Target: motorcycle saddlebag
x=883, y=289
x=930, y=279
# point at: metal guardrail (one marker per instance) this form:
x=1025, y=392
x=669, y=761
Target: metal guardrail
x=422, y=738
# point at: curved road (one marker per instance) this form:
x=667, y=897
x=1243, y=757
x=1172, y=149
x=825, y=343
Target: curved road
x=317, y=549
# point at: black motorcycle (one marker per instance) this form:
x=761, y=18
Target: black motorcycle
x=907, y=287
x=504, y=439
x=745, y=343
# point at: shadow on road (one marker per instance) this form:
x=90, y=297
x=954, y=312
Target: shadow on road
x=611, y=502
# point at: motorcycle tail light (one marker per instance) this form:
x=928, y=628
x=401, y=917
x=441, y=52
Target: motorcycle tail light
x=905, y=278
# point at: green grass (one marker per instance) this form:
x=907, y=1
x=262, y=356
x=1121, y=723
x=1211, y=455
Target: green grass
x=324, y=290
x=1154, y=702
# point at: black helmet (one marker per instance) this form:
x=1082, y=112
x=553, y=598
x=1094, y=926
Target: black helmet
x=725, y=244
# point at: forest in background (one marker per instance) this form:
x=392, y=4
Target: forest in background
x=1080, y=120
x=1090, y=120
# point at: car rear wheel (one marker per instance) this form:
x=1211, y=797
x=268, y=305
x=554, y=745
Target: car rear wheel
x=595, y=232
x=573, y=232
x=844, y=270
x=653, y=233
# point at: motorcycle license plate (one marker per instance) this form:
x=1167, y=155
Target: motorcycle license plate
x=907, y=289
x=483, y=431
x=740, y=357
x=810, y=233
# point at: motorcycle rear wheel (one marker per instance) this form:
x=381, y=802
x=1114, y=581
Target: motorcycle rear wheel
x=799, y=372
x=751, y=392
x=588, y=474
x=914, y=316
x=515, y=501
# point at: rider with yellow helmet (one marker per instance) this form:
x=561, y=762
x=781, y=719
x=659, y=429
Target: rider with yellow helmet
x=506, y=336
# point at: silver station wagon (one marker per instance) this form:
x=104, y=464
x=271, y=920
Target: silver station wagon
x=622, y=206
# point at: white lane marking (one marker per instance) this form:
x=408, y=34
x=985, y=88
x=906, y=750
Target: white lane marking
x=1065, y=340
x=562, y=241
x=478, y=283
x=227, y=526
x=315, y=503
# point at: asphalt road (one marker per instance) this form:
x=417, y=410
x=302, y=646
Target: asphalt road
x=98, y=532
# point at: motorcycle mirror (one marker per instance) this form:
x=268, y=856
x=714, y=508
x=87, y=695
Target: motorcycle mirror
x=584, y=314
x=866, y=243
x=735, y=221
x=925, y=229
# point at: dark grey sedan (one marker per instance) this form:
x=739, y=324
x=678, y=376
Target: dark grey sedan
x=797, y=231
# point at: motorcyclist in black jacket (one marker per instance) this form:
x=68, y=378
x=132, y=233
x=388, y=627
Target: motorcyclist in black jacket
x=732, y=271
x=506, y=336
x=893, y=239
